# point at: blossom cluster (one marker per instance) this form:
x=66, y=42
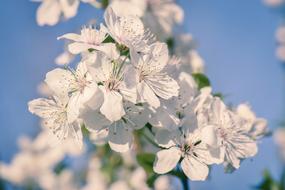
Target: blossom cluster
x=39, y=164
x=127, y=80
x=156, y=14
x=136, y=106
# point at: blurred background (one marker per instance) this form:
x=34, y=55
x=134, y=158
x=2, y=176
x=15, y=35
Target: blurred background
x=235, y=38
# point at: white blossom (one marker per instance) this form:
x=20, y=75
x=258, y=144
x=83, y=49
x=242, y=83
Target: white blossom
x=111, y=75
x=170, y=112
x=77, y=85
x=162, y=15
x=159, y=15
x=226, y=130
x=257, y=127
x=50, y=11
x=185, y=143
x=36, y=160
x=119, y=133
x=56, y=117
x=151, y=81
x=128, y=31
x=89, y=38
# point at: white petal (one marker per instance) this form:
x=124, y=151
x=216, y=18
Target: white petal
x=232, y=158
x=209, y=136
x=245, y=111
x=64, y=58
x=112, y=107
x=48, y=13
x=146, y=94
x=159, y=52
x=188, y=87
x=137, y=60
x=92, y=96
x=78, y=47
x=109, y=49
x=69, y=7
x=194, y=169
x=165, y=118
x=110, y=18
x=218, y=154
x=129, y=94
x=70, y=36
x=59, y=80
x=137, y=116
x=99, y=137
x=93, y=120
x=166, y=160
x=120, y=137
x=244, y=146
x=131, y=77
x=73, y=107
x=42, y=107
x=164, y=138
x=163, y=85
x=76, y=134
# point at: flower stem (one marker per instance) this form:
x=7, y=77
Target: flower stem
x=184, y=180
x=149, y=139
x=185, y=183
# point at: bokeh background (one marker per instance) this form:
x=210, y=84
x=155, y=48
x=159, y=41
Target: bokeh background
x=235, y=38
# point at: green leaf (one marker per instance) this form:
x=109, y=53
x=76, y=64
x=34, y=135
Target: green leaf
x=268, y=182
x=105, y=3
x=146, y=161
x=109, y=39
x=151, y=179
x=84, y=131
x=170, y=43
x=2, y=186
x=220, y=95
x=201, y=80
x=282, y=182
x=60, y=167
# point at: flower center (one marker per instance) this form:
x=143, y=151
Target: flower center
x=222, y=133
x=188, y=148
x=81, y=84
x=112, y=84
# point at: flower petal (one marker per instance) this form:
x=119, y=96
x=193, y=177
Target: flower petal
x=70, y=36
x=163, y=85
x=59, y=80
x=69, y=7
x=166, y=160
x=112, y=106
x=194, y=170
x=93, y=120
x=78, y=47
x=146, y=94
x=164, y=138
x=120, y=137
x=99, y=137
x=42, y=107
x=209, y=136
x=48, y=13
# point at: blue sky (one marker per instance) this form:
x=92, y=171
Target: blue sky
x=236, y=39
